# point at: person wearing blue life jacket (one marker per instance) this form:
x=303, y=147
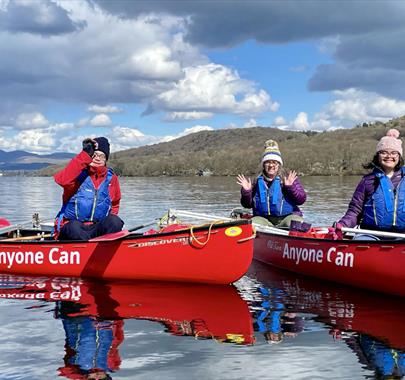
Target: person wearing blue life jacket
x=378, y=202
x=91, y=194
x=275, y=195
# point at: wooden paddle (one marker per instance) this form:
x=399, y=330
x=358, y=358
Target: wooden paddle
x=22, y=238
x=374, y=232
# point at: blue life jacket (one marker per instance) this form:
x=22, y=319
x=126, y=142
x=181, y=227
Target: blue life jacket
x=88, y=204
x=385, y=209
x=270, y=201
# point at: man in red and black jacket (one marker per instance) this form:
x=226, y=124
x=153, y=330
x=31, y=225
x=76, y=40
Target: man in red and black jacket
x=91, y=194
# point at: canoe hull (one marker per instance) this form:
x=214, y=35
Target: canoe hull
x=174, y=256
x=378, y=265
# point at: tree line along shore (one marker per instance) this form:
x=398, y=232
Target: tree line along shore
x=233, y=151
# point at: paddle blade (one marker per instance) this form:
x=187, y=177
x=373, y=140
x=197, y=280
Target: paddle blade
x=4, y=222
x=112, y=236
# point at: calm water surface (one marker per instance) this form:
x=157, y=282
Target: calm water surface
x=271, y=325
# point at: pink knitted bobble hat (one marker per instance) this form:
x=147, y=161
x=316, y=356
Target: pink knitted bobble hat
x=390, y=142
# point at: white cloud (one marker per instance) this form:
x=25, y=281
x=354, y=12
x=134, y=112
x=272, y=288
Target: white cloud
x=256, y=103
x=32, y=120
x=300, y=123
x=35, y=141
x=188, y=131
x=279, y=121
x=154, y=62
x=192, y=115
x=104, y=109
x=122, y=138
x=250, y=123
x=354, y=106
x=101, y=120
x=214, y=88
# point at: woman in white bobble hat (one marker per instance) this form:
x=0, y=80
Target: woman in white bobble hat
x=379, y=200
x=273, y=196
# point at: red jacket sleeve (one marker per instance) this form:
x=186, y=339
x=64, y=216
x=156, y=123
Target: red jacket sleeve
x=67, y=177
x=115, y=194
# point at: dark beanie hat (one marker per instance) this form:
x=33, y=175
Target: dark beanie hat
x=103, y=146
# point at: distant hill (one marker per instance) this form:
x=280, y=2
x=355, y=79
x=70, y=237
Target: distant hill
x=19, y=160
x=233, y=151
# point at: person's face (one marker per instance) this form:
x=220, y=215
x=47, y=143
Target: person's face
x=388, y=159
x=99, y=159
x=270, y=168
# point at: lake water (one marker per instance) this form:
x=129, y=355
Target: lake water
x=271, y=325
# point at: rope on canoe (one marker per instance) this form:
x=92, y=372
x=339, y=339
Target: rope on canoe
x=193, y=238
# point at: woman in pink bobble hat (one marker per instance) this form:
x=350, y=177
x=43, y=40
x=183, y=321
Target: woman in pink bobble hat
x=378, y=202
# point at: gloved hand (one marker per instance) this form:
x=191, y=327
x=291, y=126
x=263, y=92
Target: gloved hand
x=336, y=231
x=89, y=146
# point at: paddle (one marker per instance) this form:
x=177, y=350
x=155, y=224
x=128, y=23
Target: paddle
x=4, y=222
x=259, y=227
x=121, y=234
x=374, y=232
x=22, y=238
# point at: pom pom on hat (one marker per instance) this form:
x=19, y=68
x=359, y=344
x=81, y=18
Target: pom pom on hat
x=103, y=145
x=271, y=152
x=390, y=141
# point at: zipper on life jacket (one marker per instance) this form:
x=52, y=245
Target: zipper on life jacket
x=76, y=210
x=268, y=204
x=281, y=206
x=394, y=222
x=375, y=214
x=93, y=210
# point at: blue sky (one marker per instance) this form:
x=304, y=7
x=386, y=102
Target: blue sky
x=141, y=72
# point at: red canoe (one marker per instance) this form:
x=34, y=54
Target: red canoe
x=374, y=265
x=203, y=311
x=341, y=307
x=216, y=253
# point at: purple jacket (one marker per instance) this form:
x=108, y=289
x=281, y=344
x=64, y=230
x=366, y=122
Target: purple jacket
x=364, y=190
x=295, y=194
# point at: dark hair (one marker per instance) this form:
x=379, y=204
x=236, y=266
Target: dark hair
x=375, y=163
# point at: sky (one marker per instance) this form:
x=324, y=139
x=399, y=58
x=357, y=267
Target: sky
x=141, y=72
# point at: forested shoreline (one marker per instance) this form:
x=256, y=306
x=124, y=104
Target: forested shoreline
x=232, y=151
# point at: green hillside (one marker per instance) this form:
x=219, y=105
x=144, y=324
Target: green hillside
x=233, y=151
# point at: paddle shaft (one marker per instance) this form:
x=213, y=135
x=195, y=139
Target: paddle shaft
x=22, y=238
x=259, y=227
x=373, y=232
x=132, y=229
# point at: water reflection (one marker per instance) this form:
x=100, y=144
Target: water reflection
x=93, y=314
x=370, y=324
x=323, y=327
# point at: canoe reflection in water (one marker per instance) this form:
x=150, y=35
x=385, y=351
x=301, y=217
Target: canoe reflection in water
x=371, y=324
x=93, y=315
